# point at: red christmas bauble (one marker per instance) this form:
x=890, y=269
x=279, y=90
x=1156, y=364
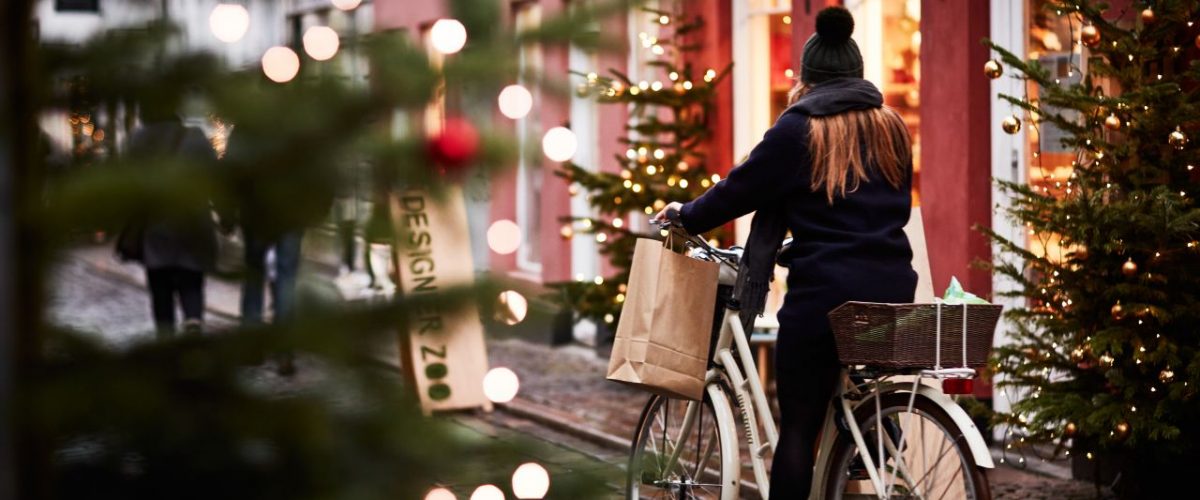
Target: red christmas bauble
x=1148, y=16
x=455, y=146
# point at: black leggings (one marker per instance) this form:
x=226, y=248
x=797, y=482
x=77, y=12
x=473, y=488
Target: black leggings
x=168, y=283
x=806, y=372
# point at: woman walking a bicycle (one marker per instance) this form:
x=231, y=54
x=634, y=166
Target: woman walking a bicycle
x=836, y=171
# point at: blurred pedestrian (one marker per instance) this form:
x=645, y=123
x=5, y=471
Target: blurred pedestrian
x=177, y=244
x=273, y=209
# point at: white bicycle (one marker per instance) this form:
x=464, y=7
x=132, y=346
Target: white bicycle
x=887, y=434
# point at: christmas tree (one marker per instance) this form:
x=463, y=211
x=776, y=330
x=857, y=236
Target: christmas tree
x=1105, y=352
x=664, y=159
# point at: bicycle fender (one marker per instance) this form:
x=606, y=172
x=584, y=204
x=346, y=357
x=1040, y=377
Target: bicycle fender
x=979, y=449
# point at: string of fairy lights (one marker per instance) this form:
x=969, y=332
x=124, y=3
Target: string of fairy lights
x=1113, y=115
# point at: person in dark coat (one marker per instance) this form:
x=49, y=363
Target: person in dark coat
x=274, y=204
x=179, y=243
x=836, y=168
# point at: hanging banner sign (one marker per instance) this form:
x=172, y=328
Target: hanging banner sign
x=442, y=347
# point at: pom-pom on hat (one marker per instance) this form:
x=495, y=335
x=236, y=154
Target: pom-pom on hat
x=831, y=53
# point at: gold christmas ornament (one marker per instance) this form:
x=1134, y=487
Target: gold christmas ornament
x=582, y=90
x=1106, y=359
x=1090, y=35
x=1011, y=125
x=1122, y=429
x=573, y=189
x=1177, y=138
x=1117, y=311
x=1113, y=122
x=993, y=69
x=1166, y=375
x=1129, y=268
x=1070, y=429
x=566, y=232
x=1147, y=16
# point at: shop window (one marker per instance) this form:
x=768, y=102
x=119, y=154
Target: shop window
x=888, y=34
x=530, y=175
x=584, y=114
x=762, y=73
x=1052, y=43
x=77, y=5
x=783, y=76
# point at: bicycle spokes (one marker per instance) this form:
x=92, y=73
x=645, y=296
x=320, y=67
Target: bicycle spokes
x=916, y=455
x=677, y=454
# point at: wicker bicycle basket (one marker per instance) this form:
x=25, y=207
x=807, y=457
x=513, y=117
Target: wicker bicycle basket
x=906, y=335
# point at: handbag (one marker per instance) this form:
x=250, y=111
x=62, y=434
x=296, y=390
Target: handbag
x=130, y=247
x=129, y=241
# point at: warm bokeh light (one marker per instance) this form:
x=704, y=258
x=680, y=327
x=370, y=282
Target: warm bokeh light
x=448, y=36
x=440, y=494
x=500, y=385
x=515, y=101
x=530, y=480
x=504, y=236
x=487, y=492
x=280, y=64
x=511, y=307
x=229, y=22
x=321, y=42
x=559, y=144
x=346, y=4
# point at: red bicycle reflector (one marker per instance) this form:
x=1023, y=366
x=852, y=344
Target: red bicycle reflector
x=958, y=385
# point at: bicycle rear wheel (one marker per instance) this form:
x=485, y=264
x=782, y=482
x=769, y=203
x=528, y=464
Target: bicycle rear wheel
x=707, y=463
x=937, y=462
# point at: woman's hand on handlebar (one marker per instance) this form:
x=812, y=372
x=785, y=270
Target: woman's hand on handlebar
x=668, y=213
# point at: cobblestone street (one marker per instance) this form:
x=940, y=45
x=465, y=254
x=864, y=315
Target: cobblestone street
x=581, y=421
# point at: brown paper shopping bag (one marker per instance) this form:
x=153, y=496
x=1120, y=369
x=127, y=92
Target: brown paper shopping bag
x=662, y=340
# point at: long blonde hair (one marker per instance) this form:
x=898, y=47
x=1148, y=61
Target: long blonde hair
x=835, y=146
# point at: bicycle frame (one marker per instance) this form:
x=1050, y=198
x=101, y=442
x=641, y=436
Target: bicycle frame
x=752, y=401
x=746, y=389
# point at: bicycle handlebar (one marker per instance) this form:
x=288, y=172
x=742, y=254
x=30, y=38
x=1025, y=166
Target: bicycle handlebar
x=671, y=222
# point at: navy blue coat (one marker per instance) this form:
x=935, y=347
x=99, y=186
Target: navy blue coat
x=188, y=239
x=852, y=249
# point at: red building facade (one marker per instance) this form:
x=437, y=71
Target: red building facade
x=952, y=118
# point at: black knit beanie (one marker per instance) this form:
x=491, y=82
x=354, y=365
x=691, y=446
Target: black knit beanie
x=831, y=53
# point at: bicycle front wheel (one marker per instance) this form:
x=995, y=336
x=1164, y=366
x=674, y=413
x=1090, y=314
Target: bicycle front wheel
x=927, y=456
x=685, y=449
